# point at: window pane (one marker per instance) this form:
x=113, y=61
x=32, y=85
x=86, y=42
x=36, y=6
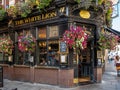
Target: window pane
x=42, y=53
x=53, y=53
x=42, y=33
x=53, y=31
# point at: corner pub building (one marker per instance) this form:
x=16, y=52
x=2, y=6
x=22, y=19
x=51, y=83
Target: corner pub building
x=48, y=28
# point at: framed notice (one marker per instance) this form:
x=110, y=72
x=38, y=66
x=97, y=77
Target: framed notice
x=63, y=47
x=99, y=62
x=99, y=54
x=63, y=58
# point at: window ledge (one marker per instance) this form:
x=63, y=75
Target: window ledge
x=46, y=67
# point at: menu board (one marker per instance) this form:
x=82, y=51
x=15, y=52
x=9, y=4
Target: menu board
x=63, y=47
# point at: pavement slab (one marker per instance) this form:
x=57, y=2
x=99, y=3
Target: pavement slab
x=110, y=81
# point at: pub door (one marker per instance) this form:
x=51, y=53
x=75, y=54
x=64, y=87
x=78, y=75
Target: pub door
x=85, y=64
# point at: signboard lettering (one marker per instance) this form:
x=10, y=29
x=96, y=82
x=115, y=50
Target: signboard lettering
x=36, y=18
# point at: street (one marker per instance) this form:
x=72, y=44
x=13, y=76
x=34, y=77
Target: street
x=110, y=81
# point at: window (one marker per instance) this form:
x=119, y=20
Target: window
x=53, y=53
x=42, y=33
x=24, y=58
x=4, y=54
x=53, y=31
x=48, y=48
x=42, y=53
x=49, y=53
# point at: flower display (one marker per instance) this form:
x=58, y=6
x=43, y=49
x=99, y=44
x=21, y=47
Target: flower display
x=6, y=45
x=26, y=43
x=108, y=41
x=75, y=38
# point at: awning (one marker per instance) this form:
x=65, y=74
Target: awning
x=113, y=31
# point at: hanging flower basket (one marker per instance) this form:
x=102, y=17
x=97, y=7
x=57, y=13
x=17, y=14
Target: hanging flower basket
x=26, y=43
x=75, y=38
x=108, y=41
x=6, y=45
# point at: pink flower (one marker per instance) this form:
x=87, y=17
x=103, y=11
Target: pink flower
x=75, y=37
x=26, y=43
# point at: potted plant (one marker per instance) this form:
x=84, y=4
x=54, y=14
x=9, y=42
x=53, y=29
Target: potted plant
x=108, y=41
x=75, y=38
x=26, y=43
x=6, y=45
x=109, y=12
x=11, y=11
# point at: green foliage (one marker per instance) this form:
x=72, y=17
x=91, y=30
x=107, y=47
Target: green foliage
x=100, y=2
x=108, y=41
x=2, y=14
x=78, y=1
x=43, y=3
x=25, y=9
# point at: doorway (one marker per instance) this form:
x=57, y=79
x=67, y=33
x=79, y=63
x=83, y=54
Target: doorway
x=85, y=64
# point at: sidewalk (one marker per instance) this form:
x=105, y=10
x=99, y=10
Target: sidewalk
x=110, y=82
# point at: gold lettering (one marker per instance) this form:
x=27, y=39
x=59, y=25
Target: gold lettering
x=47, y=16
x=26, y=21
x=43, y=17
x=36, y=18
x=16, y=22
x=53, y=14
x=32, y=19
x=29, y=19
x=62, y=9
x=21, y=22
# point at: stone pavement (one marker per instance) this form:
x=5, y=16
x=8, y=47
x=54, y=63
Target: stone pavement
x=110, y=81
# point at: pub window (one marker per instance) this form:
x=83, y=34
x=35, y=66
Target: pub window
x=53, y=53
x=49, y=53
x=4, y=55
x=42, y=53
x=48, y=49
x=42, y=33
x=19, y=54
x=53, y=31
x=1, y=57
x=24, y=58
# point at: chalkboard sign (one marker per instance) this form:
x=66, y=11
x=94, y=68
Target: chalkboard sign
x=63, y=47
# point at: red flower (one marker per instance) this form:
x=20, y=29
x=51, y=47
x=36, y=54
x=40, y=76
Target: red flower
x=26, y=43
x=75, y=37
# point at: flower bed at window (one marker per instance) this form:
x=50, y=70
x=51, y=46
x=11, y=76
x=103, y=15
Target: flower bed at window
x=75, y=38
x=6, y=45
x=26, y=43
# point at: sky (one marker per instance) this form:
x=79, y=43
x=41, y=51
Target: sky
x=116, y=21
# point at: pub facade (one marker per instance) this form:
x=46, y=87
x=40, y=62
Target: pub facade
x=47, y=59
